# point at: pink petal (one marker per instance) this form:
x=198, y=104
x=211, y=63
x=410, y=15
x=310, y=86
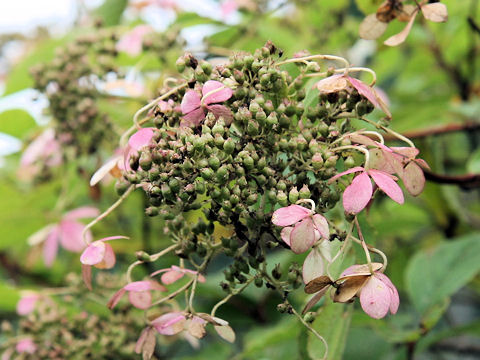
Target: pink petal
x=375, y=298
x=321, y=224
x=93, y=254
x=26, y=346
x=140, y=299
x=131, y=42
x=154, y=285
x=360, y=269
x=436, y=12
x=387, y=185
x=141, y=138
x=138, y=286
x=27, y=304
x=409, y=152
x=349, y=171
x=286, y=233
x=108, y=260
x=402, y=35
x=116, y=298
x=104, y=170
x=170, y=323
x=289, y=215
x=50, y=247
x=171, y=276
x=217, y=97
x=193, y=118
x=303, y=236
x=227, y=7
x=221, y=111
x=37, y=147
x=82, y=212
x=357, y=195
x=190, y=101
x=313, y=266
x=395, y=299
x=71, y=235
x=365, y=90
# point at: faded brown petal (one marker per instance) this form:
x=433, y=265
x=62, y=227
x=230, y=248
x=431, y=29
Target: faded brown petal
x=315, y=299
x=371, y=28
x=149, y=344
x=349, y=287
x=226, y=333
x=318, y=284
x=413, y=178
x=436, y=12
x=196, y=328
x=87, y=276
x=406, y=13
x=388, y=11
x=402, y=35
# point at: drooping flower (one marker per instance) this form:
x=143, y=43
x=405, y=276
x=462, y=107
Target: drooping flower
x=139, y=294
x=67, y=233
x=174, y=273
x=131, y=42
x=336, y=83
x=309, y=227
x=43, y=151
x=377, y=294
x=358, y=194
x=27, y=304
x=194, y=107
x=26, y=346
x=98, y=254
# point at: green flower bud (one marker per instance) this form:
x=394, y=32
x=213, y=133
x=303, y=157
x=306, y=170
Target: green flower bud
x=214, y=163
x=143, y=256
x=222, y=174
x=252, y=199
x=284, y=121
x=331, y=162
x=200, y=185
x=258, y=282
x=304, y=192
x=293, y=195
x=317, y=161
x=206, y=67
x=282, y=198
x=282, y=308
x=174, y=185
x=207, y=173
x=180, y=63
x=218, y=129
x=277, y=272
x=349, y=162
x=151, y=211
x=248, y=163
x=254, y=107
x=309, y=317
x=145, y=161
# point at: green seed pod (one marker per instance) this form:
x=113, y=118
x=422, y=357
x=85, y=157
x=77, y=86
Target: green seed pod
x=222, y=174
x=331, y=162
x=258, y=282
x=309, y=317
x=151, y=211
x=254, y=107
x=214, y=163
x=207, y=173
x=145, y=161
x=229, y=146
x=272, y=119
x=200, y=185
x=277, y=272
x=218, y=129
x=228, y=275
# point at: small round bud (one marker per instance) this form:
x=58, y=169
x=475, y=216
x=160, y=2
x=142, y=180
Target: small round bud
x=304, y=192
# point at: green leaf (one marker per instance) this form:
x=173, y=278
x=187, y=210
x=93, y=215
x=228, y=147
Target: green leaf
x=9, y=298
x=332, y=322
x=434, y=274
x=473, y=164
x=16, y=122
x=111, y=11
x=368, y=6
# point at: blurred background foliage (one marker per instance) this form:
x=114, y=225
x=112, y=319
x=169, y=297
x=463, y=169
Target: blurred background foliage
x=432, y=241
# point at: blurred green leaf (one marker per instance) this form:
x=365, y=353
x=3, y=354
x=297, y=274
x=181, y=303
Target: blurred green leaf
x=368, y=6
x=16, y=122
x=332, y=322
x=434, y=274
x=111, y=11
x=473, y=164
x=9, y=298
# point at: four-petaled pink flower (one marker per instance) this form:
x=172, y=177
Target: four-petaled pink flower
x=131, y=42
x=175, y=273
x=358, y=194
x=27, y=303
x=377, y=293
x=68, y=233
x=340, y=82
x=26, y=346
x=309, y=227
x=138, y=294
x=195, y=107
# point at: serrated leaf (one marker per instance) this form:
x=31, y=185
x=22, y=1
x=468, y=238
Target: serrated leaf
x=435, y=274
